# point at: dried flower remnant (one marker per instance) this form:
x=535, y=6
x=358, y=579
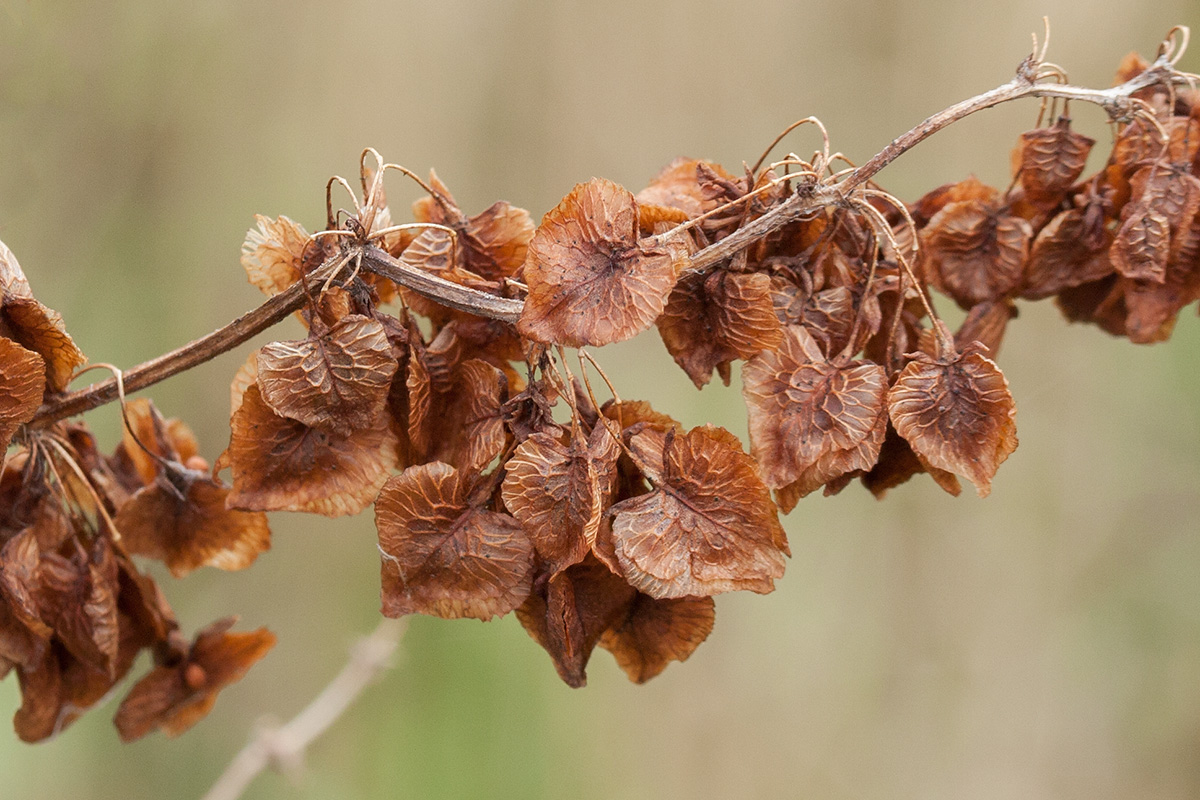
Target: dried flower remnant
x=335, y=381
x=956, y=412
x=591, y=282
x=34, y=326
x=181, y=519
x=1154, y=223
x=1049, y=160
x=176, y=695
x=711, y=320
x=1072, y=249
x=571, y=613
x=273, y=254
x=443, y=555
x=986, y=324
x=975, y=250
x=806, y=411
x=22, y=383
x=280, y=464
x=558, y=492
x=797, y=283
x=78, y=599
x=455, y=409
x=147, y=440
x=709, y=525
x=898, y=463
x=653, y=633
x=59, y=688
x=24, y=635
x=678, y=185
x=493, y=242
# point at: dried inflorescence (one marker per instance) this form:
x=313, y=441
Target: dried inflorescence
x=75, y=610
x=499, y=481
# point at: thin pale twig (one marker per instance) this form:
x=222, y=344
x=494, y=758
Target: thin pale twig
x=284, y=747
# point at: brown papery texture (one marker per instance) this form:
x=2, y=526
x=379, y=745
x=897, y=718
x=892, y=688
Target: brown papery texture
x=176, y=697
x=653, y=633
x=444, y=557
x=34, y=326
x=709, y=526
x=335, y=381
x=712, y=319
x=678, y=185
x=181, y=520
x=572, y=612
x=492, y=243
x=273, y=253
x=975, y=250
x=1049, y=160
x=560, y=491
x=590, y=281
x=803, y=408
x=23, y=380
x=280, y=464
x=957, y=414
x=1072, y=249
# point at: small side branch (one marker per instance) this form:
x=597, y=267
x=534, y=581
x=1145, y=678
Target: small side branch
x=1117, y=101
x=445, y=292
x=284, y=747
x=808, y=198
x=192, y=354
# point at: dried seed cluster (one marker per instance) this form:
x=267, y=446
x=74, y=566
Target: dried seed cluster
x=75, y=610
x=499, y=482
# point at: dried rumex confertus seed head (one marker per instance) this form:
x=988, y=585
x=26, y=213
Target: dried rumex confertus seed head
x=956, y=412
x=709, y=526
x=444, y=556
x=591, y=282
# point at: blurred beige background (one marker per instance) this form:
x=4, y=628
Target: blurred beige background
x=1042, y=643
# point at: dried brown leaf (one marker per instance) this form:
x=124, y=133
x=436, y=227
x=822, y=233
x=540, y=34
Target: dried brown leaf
x=34, y=326
x=570, y=615
x=1142, y=245
x=975, y=251
x=24, y=635
x=712, y=319
x=986, y=323
x=23, y=381
x=559, y=493
x=77, y=597
x=803, y=408
x=897, y=463
x=1070, y=250
x=1050, y=160
x=59, y=688
x=181, y=520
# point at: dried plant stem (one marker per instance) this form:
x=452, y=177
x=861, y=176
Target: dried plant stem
x=192, y=354
x=808, y=198
x=1117, y=101
x=284, y=747
x=450, y=294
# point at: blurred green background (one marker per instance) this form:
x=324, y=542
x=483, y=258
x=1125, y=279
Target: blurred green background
x=1042, y=643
